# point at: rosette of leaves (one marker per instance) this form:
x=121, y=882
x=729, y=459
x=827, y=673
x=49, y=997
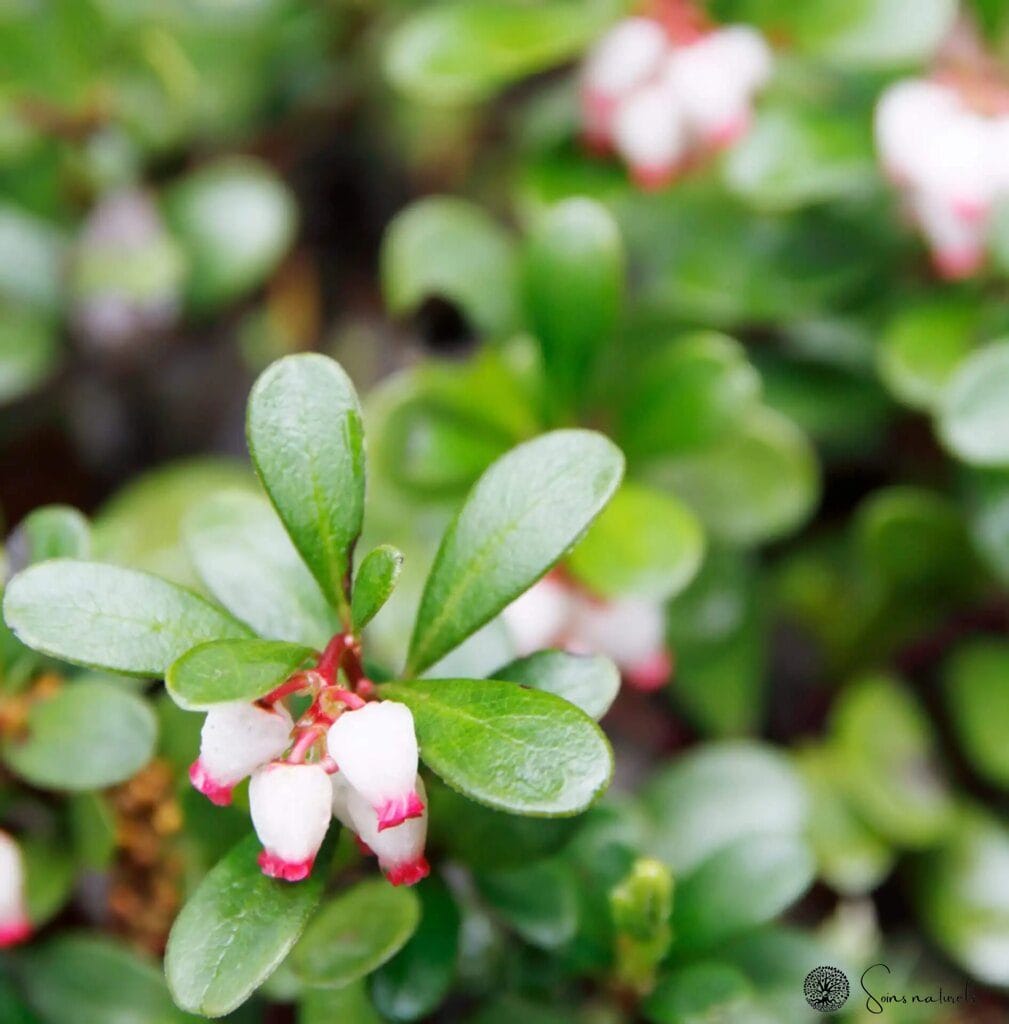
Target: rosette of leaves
x=279, y=577
x=711, y=465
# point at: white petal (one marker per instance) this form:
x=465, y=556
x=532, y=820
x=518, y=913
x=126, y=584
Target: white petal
x=291, y=808
x=238, y=737
x=649, y=131
x=376, y=749
x=956, y=242
x=539, y=617
x=342, y=790
x=904, y=122
x=628, y=630
x=625, y=57
x=400, y=850
x=14, y=925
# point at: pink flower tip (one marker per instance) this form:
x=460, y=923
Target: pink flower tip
x=409, y=873
x=651, y=674
x=653, y=178
x=957, y=264
x=728, y=133
x=288, y=870
x=15, y=932
x=363, y=848
x=216, y=792
x=395, y=812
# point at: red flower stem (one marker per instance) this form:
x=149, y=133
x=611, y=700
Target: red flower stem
x=352, y=664
x=332, y=656
x=298, y=682
x=303, y=743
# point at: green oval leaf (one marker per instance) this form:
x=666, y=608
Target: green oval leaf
x=538, y=901
x=573, y=275
x=523, y=513
x=707, y=990
x=589, y=681
x=307, y=443
x=461, y=52
x=972, y=419
x=517, y=750
x=414, y=982
x=235, y=220
x=644, y=543
x=224, y=670
x=107, y=617
x=248, y=563
x=354, y=933
x=744, y=884
x=756, y=485
x=236, y=929
x=374, y=583
x=689, y=393
x=348, y=1005
x=54, y=531
x=978, y=698
x=91, y=980
x=445, y=247
x=86, y=736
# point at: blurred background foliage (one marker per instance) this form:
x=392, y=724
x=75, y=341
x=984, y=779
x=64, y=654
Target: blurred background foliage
x=818, y=496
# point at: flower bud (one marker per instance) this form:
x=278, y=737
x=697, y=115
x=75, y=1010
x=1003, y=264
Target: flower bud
x=291, y=808
x=539, y=617
x=625, y=58
x=376, y=749
x=650, y=134
x=235, y=740
x=400, y=850
x=14, y=924
x=629, y=630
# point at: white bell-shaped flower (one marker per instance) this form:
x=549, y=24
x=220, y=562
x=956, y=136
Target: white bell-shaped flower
x=376, y=750
x=400, y=850
x=957, y=242
x=539, y=617
x=291, y=808
x=998, y=155
x=625, y=58
x=342, y=790
x=957, y=168
x=651, y=135
x=236, y=739
x=14, y=924
x=905, y=121
x=631, y=631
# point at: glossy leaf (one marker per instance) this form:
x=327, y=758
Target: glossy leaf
x=374, y=583
x=348, y=1005
x=224, y=670
x=517, y=750
x=112, y=618
x=754, y=486
x=977, y=693
x=92, y=980
x=748, y=882
x=247, y=561
x=972, y=422
x=444, y=247
x=235, y=220
x=589, y=681
x=460, y=53
x=306, y=440
x=88, y=735
x=54, y=531
x=708, y=989
x=645, y=543
x=235, y=930
x=573, y=274
x=539, y=902
x=415, y=981
x=688, y=393
x=519, y=519
x=356, y=932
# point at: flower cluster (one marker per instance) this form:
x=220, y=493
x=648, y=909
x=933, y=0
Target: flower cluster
x=556, y=612
x=14, y=924
x=347, y=757
x=665, y=92
x=951, y=162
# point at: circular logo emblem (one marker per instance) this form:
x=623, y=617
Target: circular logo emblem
x=826, y=989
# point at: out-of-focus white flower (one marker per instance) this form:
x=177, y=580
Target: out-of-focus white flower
x=539, y=618
x=625, y=58
x=376, y=750
x=650, y=134
x=14, y=924
x=713, y=81
x=632, y=632
x=951, y=163
x=400, y=850
x=291, y=808
x=235, y=740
